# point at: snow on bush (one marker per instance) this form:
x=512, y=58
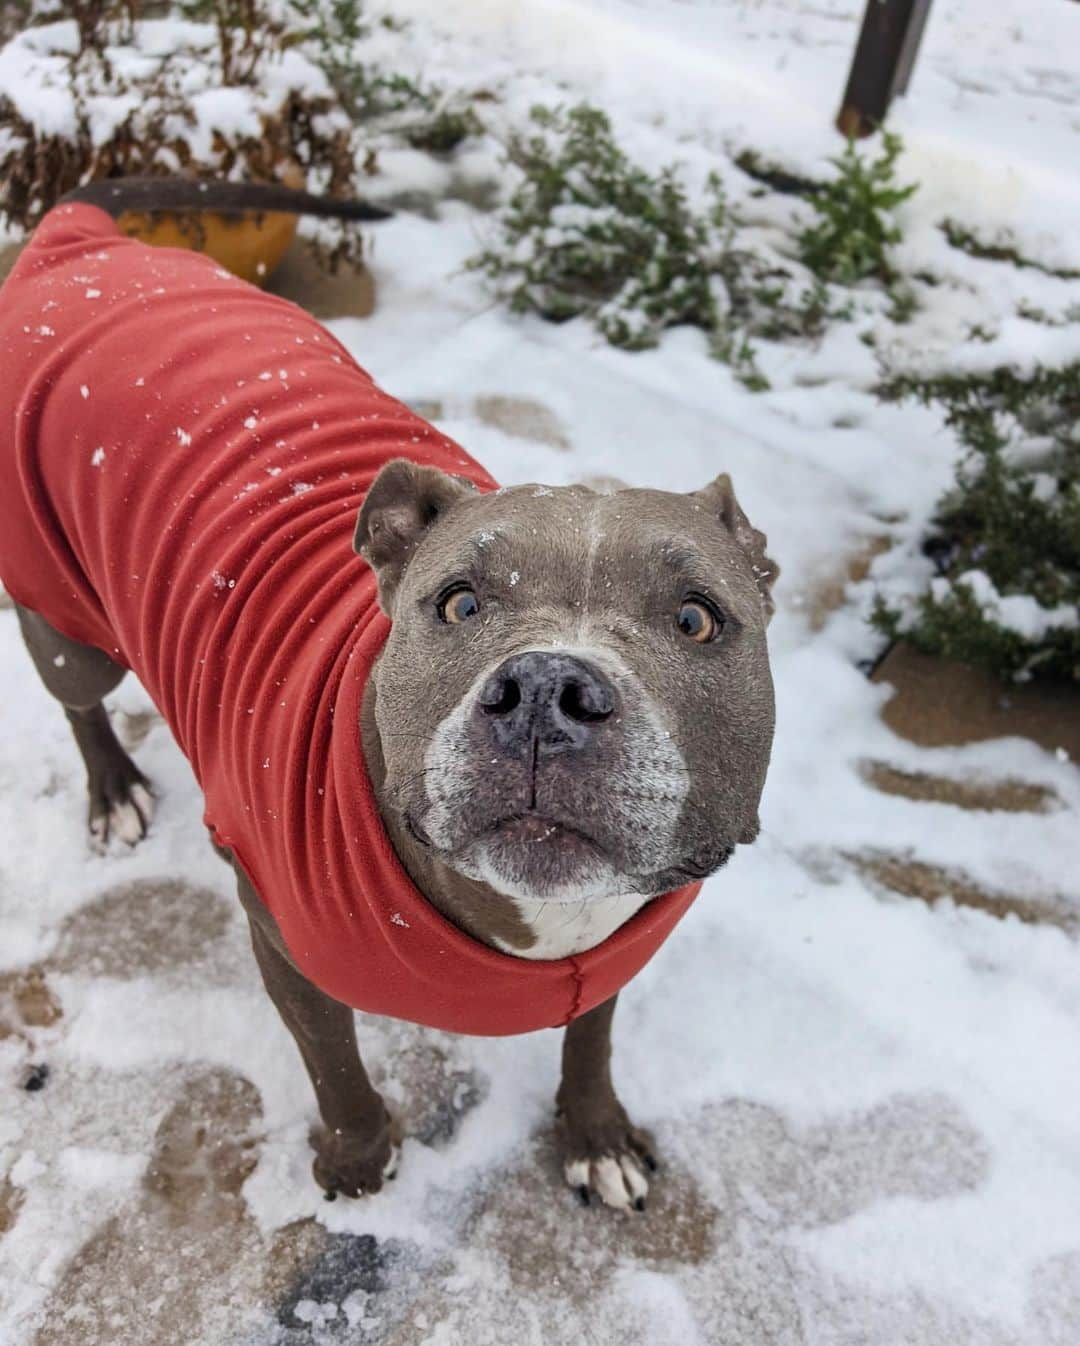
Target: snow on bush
x=241, y=89
x=590, y=233
x=1006, y=538
x=123, y=96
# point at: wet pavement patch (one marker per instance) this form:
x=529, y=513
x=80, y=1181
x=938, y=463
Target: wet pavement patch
x=26, y=1001
x=11, y=1199
x=909, y=877
x=824, y=594
x=1002, y=796
x=141, y=928
x=524, y=418
x=349, y=1264
x=938, y=703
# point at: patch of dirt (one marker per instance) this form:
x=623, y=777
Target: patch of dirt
x=11, y=1199
x=824, y=594
x=30, y=997
x=999, y=796
x=300, y=276
x=185, y=1262
x=141, y=928
x=204, y=1152
x=738, y=1178
x=430, y=408
x=939, y=703
x=550, y=1242
x=430, y=1094
x=524, y=418
x=519, y=416
x=930, y=883
x=26, y=1002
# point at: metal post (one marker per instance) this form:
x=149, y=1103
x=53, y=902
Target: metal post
x=882, y=64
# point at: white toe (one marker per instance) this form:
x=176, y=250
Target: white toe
x=144, y=801
x=130, y=821
x=125, y=824
x=390, y=1167
x=608, y=1181
x=635, y=1180
x=576, y=1172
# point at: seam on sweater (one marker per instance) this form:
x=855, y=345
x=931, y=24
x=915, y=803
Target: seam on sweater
x=579, y=991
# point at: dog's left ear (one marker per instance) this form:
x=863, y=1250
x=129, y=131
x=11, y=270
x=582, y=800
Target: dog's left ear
x=719, y=497
x=404, y=502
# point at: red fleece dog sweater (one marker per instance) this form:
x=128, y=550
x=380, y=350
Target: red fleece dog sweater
x=182, y=458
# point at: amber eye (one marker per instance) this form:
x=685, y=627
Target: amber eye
x=458, y=606
x=699, y=622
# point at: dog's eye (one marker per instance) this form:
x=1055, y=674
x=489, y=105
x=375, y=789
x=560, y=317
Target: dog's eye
x=699, y=621
x=458, y=606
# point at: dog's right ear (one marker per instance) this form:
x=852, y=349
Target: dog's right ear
x=404, y=501
x=719, y=496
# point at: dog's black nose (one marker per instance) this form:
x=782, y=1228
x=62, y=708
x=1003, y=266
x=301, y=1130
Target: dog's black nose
x=551, y=699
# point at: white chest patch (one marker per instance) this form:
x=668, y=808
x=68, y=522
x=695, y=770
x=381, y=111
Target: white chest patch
x=564, y=928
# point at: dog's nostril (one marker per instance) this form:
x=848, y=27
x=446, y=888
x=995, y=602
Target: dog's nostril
x=587, y=705
x=501, y=699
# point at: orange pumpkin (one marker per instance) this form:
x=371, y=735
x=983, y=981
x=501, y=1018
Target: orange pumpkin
x=249, y=245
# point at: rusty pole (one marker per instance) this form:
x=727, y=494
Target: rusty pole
x=882, y=64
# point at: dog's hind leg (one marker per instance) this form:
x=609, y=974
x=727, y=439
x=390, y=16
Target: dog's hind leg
x=121, y=804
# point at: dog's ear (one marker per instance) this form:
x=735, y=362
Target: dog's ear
x=404, y=501
x=719, y=497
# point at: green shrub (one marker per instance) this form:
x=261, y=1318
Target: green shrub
x=849, y=241
x=1006, y=538
x=590, y=233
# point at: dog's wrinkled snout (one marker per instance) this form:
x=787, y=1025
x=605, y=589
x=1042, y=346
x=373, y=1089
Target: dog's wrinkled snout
x=553, y=701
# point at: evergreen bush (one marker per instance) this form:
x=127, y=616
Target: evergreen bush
x=1006, y=538
x=851, y=237
x=590, y=233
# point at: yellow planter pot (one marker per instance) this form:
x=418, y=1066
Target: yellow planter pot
x=250, y=246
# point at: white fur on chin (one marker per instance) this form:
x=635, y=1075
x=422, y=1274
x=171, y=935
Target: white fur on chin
x=567, y=927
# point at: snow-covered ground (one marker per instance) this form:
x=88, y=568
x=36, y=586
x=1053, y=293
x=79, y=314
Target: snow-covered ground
x=868, y=1108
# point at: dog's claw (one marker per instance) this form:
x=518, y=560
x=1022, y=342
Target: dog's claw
x=650, y=1162
x=330, y=1196
x=639, y=1204
x=584, y=1195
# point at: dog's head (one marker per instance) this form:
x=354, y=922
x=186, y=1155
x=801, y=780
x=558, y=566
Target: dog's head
x=574, y=699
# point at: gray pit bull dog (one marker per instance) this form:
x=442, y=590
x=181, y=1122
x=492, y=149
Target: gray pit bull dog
x=561, y=726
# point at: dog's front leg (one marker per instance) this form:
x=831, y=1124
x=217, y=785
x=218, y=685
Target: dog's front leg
x=600, y=1149
x=357, y=1145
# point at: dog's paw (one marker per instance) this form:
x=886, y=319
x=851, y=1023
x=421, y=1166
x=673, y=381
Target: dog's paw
x=120, y=810
x=353, y=1163
x=607, y=1157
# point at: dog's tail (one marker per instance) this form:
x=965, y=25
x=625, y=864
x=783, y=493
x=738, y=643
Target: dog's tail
x=117, y=195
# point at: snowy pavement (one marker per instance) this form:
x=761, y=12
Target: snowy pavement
x=868, y=1106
